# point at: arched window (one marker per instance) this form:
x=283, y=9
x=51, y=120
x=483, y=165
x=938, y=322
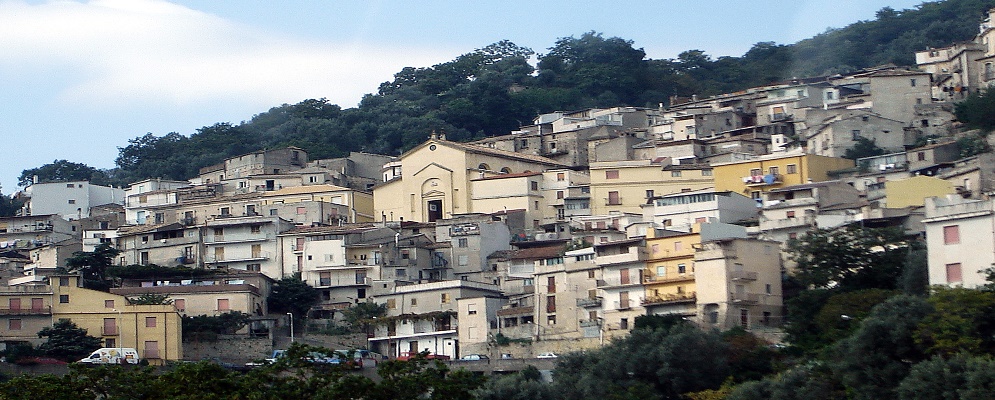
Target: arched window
x=484, y=167
x=506, y=170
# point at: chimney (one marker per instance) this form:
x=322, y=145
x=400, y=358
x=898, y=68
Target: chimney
x=433, y=136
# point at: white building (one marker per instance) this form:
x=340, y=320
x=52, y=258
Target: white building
x=71, y=200
x=960, y=240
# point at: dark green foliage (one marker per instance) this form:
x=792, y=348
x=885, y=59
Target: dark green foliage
x=802, y=330
x=205, y=327
x=964, y=322
x=67, y=342
x=652, y=322
x=842, y=312
x=863, y=148
x=879, y=355
x=977, y=110
x=151, y=299
x=851, y=258
x=92, y=265
x=956, y=377
x=523, y=385
x=750, y=358
x=649, y=364
x=293, y=295
x=807, y=382
x=290, y=378
x=973, y=144
x=63, y=170
x=9, y=205
x=915, y=276
x=362, y=315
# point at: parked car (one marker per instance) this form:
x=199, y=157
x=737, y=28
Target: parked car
x=547, y=355
x=474, y=357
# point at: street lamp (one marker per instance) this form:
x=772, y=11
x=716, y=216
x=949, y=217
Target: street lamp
x=120, y=336
x=291, y=315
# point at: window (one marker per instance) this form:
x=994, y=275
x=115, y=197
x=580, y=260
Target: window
x=560, y=176
x=110, y=326
x=611, y=174
x=559, y=194
x=756, y=172
x=551, y=284
x=273, y=212
x=462, y=242
x=534, y=184
x=951, y=234
x=953, y=273
x=108, y=303
x=551, y=320
x=72, y=201
x=551, y=304
x=64, y=298
x=255, y=229
x=151, y=349
x=180, y=304
x=655, y=248
x=792, y=236
x=613, y=199
x=678, y=246
x=791, y=169
x=682, y=269
x=445, y=298
x=790, y=214
x=14, y=324
x=414, y=302
x=706, y=172
x=110, y=342
x=675, y=174
x=912, y=82
x=391, y=304
x=150, y=322
x=224, y=305
x=590, y=274
x=254, y=267
x=225, y=211
x=463, y=260
x=773, y=170
x=301, y=210
x=623, y=323
x=856, y=134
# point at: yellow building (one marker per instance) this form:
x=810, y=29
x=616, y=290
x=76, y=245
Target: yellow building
x=669, y=276
x=435, y=180
x=624, y=186
x=154, y=330
x=360, y=203
x=762, y=174
x=913, y=191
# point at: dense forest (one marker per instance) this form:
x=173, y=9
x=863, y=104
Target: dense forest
x=493, y=90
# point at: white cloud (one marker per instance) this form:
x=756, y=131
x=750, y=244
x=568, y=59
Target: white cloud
x=123, y=53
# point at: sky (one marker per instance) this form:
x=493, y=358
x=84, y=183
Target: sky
x=78, y=79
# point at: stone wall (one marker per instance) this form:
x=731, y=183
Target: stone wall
x=237, y=349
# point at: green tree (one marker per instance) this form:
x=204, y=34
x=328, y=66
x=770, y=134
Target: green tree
x=67, y=342
x=92, y=265
x=977, y=110
x=863, y=148
x=878, y=356
x=291, y=294
x=63, y=170
x=209, y=327
x=526, y=384
x=964, y=322
x=361, y=316
x=151, y=299
x=649, y=363
x=850, y=258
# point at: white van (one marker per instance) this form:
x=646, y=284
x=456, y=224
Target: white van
x=112, y=355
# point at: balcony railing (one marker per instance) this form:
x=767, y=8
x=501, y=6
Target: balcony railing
x=744, y=298
x=595, y=302
x=623, y=304
x=584, y=323
x=669, y=279
x=762, y=180
x=677, y=298
x=46, y=310
x=743, y=275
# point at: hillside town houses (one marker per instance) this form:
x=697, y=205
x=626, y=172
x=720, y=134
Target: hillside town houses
x=560, y=234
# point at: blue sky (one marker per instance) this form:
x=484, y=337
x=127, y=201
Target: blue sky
x=78, y=79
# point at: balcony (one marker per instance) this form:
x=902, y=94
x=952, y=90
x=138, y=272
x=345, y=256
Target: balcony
x=777, y=117
x=189, y=221
x=344, y=281
x=762, y=180
x=623, y=304
x=742, y=276
x=744, y=298
x=595, y=302
x=787, y=223
x=669, y=279
x=215, y=259
x=584, y=323
x=46, y=310
x=677, y=298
